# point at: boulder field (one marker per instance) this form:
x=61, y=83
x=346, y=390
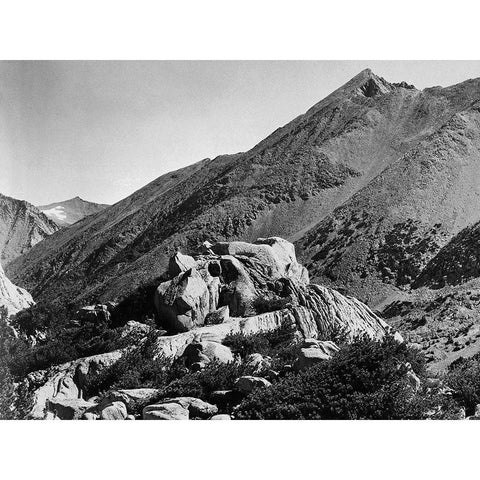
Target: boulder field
x=246, y=288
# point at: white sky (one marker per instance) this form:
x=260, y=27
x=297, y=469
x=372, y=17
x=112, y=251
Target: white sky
x=103, y=129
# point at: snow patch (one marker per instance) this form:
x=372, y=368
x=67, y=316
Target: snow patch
x=56, y=212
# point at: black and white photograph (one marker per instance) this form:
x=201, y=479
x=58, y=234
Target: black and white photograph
x=287, y=239
x=329, y=271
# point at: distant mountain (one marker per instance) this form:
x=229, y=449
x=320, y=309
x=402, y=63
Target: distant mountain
x=372, y=183
x=70, y=211
x=21, y=227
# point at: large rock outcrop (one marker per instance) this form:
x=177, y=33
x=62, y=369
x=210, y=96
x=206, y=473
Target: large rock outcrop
x=13, y=298
x=251, y=277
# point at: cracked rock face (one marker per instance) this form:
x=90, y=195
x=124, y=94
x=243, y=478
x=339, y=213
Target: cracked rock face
x=13, y=298
x=233, y=275
x=21, y=227
x=239, y=276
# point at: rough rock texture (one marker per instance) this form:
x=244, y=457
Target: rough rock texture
x=221, y=416
x=21, y=227
x=63, y=382
x=132, y=396
x=204, y=352
x=165, y=411
x=248, y=383
x=258, y=363
x=93, y=314
x=314, y=352
x=246, y=275
x=329, y=311
x=180, y=263
x=13, y=298
x=196, y=408
x=183, y=302
x=113, y=411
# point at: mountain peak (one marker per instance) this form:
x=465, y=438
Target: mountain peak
x=368, y=84
x=70, y=211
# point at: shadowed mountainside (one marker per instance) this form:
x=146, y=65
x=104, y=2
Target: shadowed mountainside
x=21, y=227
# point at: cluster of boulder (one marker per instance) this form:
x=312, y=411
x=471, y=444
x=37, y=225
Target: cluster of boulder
x=226, y=289
x=237, y=279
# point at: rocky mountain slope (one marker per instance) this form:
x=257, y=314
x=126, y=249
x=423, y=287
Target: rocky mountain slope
x=12, y=297
x=289, y=184
x=376, y=184
x=70, y=211
x=21, y=227
x=389, y=231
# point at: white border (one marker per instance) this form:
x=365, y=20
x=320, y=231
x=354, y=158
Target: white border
x=251, y=29
x=57, y=29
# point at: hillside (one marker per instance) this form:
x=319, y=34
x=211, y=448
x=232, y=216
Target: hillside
x=21, y=227
x=371, y=182
x=70, y=211
x=387, y=233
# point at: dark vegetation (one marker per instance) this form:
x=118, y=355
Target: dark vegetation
x=463, y=377
x=366, y=379
x=270, y=343
x=58, y=339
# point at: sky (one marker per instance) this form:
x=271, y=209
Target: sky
x=103, y=129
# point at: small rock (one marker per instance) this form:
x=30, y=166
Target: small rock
x=321, y=352
x=196, y=408
x=165, y=411
x=133, y=395
x=180, y=263
x=93, y=314
x=218, y=316
x=248, y=383
x=205, y=352
x=136, y=328
x=258, y=362
x=221, y=417
x=114, y=411
x=413, y=380
x=130, y=417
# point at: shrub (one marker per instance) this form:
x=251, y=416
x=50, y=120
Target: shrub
x=270, y=303
x=362, y=381
x=266, y=343
x=463, y=376
x=216, y=376
x=63, y=342
x=137, y=368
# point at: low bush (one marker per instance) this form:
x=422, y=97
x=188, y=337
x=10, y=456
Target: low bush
x=216, y=376
x=137, y=368
x=62, y=345
x=364, y=380
x=463, y=376
x=270, y=303
x=266, y=343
